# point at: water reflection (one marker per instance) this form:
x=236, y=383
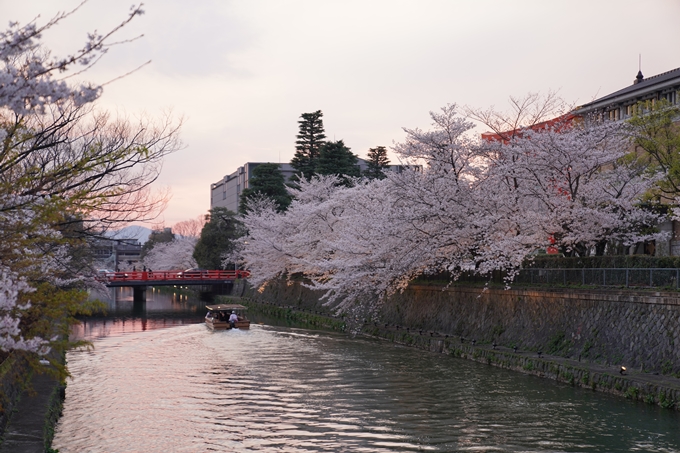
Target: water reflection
x=163, y=308
x=291, y=390
x=168, y=300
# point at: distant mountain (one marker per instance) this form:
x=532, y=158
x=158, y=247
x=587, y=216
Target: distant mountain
x=132, y=232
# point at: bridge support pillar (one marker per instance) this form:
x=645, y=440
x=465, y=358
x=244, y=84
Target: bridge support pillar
x=139, y=294
x=139, y=309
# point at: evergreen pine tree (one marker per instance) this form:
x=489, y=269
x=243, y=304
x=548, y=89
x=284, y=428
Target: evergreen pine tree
x=218, y=238
x=157, y=236
x=267, y=180
x=337, y=159
x=377, y=162
x=308, y=145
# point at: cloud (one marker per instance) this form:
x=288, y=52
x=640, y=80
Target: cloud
x=242, y=71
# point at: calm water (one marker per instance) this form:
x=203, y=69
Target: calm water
x=187, y=389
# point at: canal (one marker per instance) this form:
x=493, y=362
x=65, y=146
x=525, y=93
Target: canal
x=159, y=381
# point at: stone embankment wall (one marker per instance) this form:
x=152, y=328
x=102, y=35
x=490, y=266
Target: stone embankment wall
x=652, y=389
x=283, y=293
x=639, y=330
x=30, y=405
x=635, y=329
x=580, y=337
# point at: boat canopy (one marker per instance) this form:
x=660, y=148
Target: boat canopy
x=225, y=307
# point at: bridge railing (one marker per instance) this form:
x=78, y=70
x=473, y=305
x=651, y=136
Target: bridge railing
x=155, y=276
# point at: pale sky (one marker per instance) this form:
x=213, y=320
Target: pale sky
x=241, y=72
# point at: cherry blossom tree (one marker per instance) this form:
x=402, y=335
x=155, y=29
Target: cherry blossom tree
x=11, y=288
x=190, y=228
x=173, y=255
x=67, y=172
x=477, y=206
x=526, y=112
x=571, y=180
x=176, y=253
x=27, y=77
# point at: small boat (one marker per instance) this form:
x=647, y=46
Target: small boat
x=217, y=317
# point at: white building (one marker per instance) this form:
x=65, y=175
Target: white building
x=226, y=193
x=621, y=105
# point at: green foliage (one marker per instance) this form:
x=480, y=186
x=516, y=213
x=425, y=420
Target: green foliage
x=56, y=404
x=558, y=343
x=218, y=238
x=587, y=346
x=52, y=313
x=377, y=162
x=310, y=139
x=267, y=180
x=68, y=172
x=657, y=141
x=157, y=237
x=337, y=159
x=497, y=331
x=667, y=367
x=632, y=393
x=665, y=402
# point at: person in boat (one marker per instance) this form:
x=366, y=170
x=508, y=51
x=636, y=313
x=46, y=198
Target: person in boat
x=233, y=318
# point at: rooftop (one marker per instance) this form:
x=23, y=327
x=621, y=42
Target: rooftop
x=640, y=87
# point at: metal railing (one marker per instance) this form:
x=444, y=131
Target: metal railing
x=174, y=276
x=624, y=277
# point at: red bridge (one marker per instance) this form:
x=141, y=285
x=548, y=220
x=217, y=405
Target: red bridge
x=168, y=278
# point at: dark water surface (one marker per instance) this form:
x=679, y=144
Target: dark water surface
x=187, y=389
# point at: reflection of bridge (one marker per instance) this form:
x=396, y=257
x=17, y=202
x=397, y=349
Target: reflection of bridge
x=140, y=280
